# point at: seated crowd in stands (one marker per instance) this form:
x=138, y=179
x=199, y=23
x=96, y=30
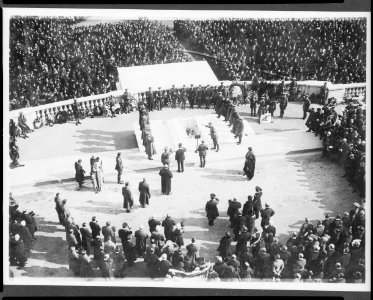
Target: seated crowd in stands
x=54, y=59
x=343, y=139
x=309, y=49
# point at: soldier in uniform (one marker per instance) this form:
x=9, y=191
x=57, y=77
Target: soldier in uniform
x=208, y=96
x=283, y=103
x=253, y=101
x=202, y=150
x=199, y=96
x=262, y=108
x=272, y=107
x=306, y=105
x=180, y=157
x=214, y=136
x=239, y=130
x=173, y=97
x=150, y=99
x=183, y=97
x=75, y=109
x=191, y=96
x=263, y=86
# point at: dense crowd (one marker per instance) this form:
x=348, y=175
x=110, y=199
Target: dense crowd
x=331, y=250
x=53, y=59
x=343, y=139
x=22, y=228
x=318, y=49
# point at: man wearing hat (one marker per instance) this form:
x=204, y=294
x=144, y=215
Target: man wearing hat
x=283, y=103
x=183, y=97
x=163, y=266
x=108, y=232
x=262, y=107
x=202, y=150
x=214, y=136
x=166, y=176
x=119, y=167
x=253, y=102
x=249, y=167
x=211, y=209
x=79, y=173
x=17, y=251
x=127, y=197
x=180, y=157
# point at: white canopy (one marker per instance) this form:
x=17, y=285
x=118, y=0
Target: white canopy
x=140, y=78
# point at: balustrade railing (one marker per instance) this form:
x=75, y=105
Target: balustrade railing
x=338, y=91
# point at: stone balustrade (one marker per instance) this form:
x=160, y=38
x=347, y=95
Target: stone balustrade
x=338, y=91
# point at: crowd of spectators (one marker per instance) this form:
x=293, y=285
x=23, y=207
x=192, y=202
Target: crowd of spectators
x=22, y=228
x=343, y=137
x=308, y=49
x=54, y=59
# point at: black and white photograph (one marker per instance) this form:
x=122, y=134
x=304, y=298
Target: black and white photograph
x=209, y=149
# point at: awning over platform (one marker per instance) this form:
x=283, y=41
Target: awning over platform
x=140, y=78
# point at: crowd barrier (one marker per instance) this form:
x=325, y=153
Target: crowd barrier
x=338, y=91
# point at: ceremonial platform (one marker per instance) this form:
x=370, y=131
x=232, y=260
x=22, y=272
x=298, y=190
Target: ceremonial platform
x=49, y=154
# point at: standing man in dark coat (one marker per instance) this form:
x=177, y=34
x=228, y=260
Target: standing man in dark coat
x=168, y=225
x=165, y=156
x=86, y=238
x=144, y=193
x=141, y=237
x=79, y=173
x=266, y=215
x=224, y=248
x=124, y=232
x=109, y=232
x=129, y=250
x=96, y=229
x=127, y=197
x=211, y=209
x=257, y=201
x=119, y=168
x=249, y=167
x=238, y=222
x=180, y=157
x=153, y=223
x=58, y=202
x=202, y=150
x=306, y=106
x=233, y=208
x=166, y=176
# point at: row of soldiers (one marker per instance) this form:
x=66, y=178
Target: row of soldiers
x=146, y=133
x=343, y=137
x=22, y=228
x=226, y=108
